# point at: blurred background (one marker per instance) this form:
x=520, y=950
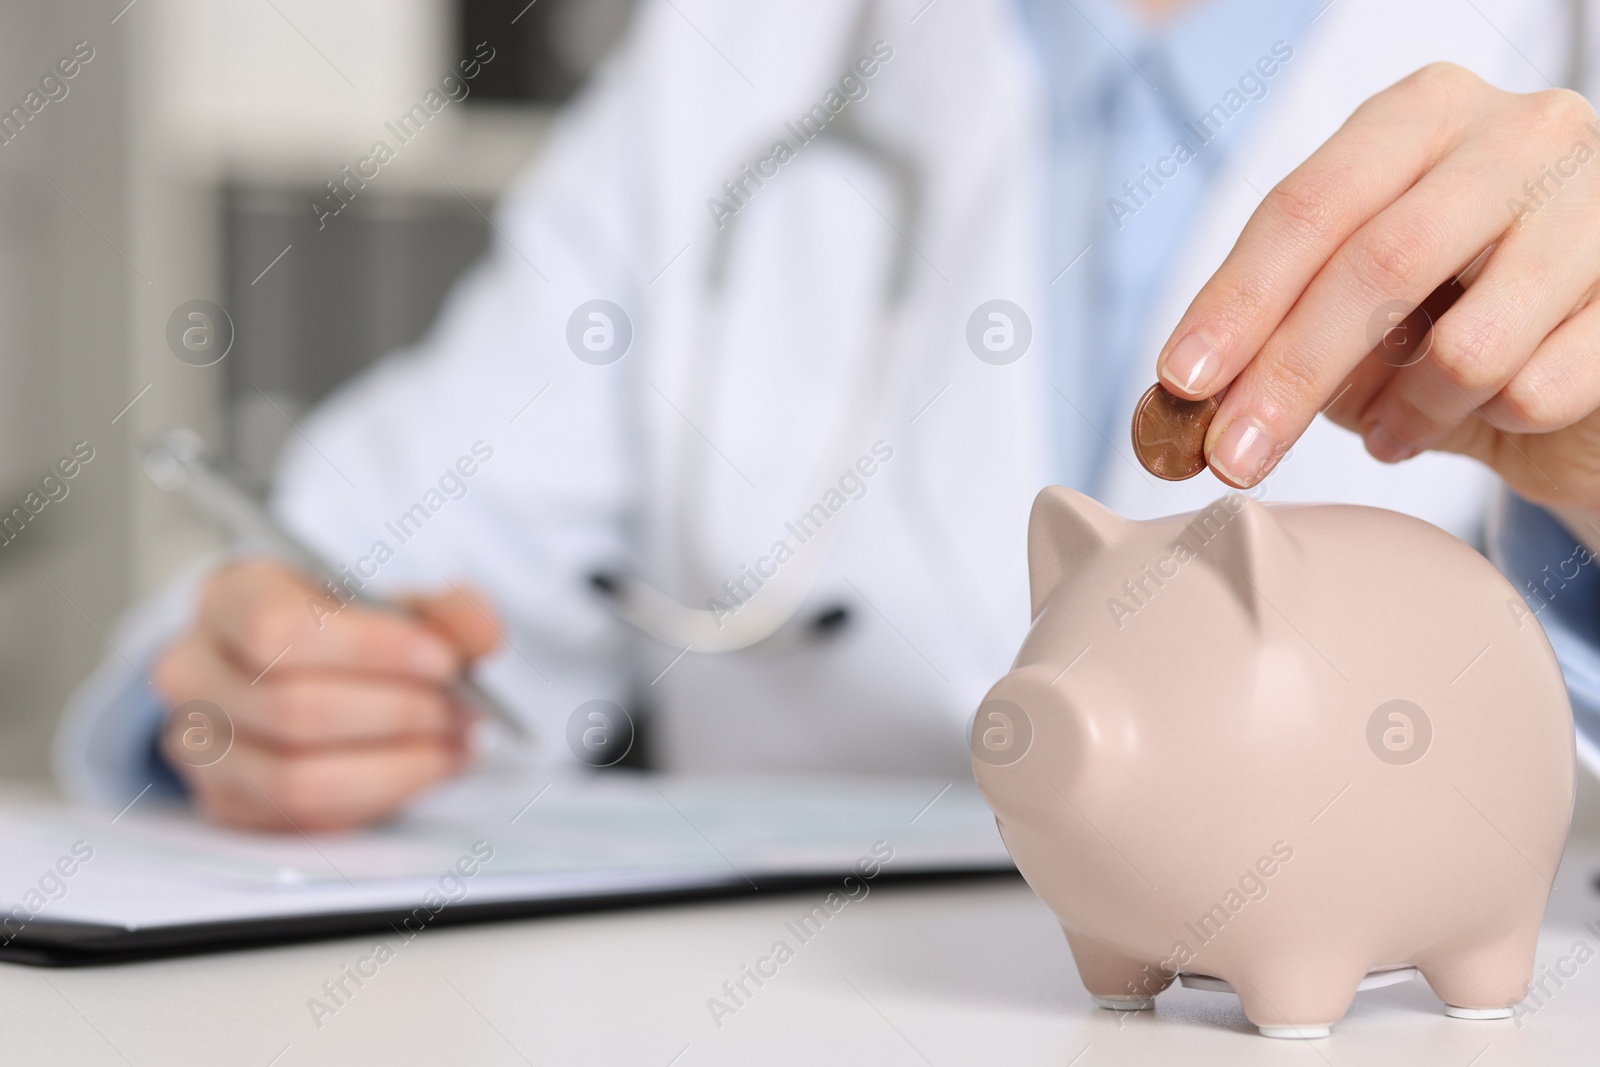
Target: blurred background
x=181, y=165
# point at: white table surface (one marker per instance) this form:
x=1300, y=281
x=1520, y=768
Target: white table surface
x=971, y=973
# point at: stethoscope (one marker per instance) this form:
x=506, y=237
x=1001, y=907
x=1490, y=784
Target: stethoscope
x=779, y=599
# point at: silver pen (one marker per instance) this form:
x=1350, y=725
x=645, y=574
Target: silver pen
x=180, y=462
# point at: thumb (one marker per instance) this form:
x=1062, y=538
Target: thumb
x=462, y=616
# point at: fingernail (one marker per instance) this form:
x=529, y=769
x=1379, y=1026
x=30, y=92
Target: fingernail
x=1192, y=366
x=1244, y=452
x=1385, y=446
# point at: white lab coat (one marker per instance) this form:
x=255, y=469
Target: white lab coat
x=931, y=563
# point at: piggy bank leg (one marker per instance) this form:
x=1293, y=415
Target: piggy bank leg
x=1114, y=979
x=1484, y=981
x=1299, y=997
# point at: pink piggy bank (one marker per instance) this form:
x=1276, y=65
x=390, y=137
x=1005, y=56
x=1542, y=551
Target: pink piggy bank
x=1291, y=750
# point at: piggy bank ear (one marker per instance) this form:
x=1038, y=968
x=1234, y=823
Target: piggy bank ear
x=1065, y=531
x=1242, y=542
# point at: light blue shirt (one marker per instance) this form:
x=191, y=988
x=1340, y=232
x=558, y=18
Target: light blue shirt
x=1560, y=582
x=1141, y=117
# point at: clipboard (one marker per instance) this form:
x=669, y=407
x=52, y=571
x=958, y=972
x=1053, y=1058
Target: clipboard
x=78, y=888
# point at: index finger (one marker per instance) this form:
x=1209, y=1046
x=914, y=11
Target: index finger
x=1390, y=142
x=265, y=614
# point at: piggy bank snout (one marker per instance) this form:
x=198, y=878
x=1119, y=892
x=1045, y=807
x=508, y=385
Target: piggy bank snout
x=1021, y=735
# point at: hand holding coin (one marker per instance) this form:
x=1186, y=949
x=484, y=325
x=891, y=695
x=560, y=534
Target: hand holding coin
x=1414, y=185
x=1169, y=432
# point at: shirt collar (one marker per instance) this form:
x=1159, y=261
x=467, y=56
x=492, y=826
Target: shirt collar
x=1192, y=59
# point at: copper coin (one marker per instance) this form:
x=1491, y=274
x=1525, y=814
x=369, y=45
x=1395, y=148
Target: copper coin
x=1169, y=433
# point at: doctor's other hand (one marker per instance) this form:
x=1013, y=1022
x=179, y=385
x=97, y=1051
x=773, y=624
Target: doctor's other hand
x=1417, y=183
x=340, y=714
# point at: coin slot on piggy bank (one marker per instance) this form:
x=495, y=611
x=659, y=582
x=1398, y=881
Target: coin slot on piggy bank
x=1284, y=751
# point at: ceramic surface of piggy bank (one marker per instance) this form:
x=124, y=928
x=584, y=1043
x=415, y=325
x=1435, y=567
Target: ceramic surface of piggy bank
x=1289, y=748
